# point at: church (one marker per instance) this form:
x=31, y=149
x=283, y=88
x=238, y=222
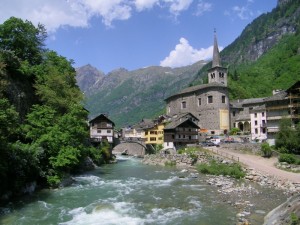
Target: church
x=209, y=103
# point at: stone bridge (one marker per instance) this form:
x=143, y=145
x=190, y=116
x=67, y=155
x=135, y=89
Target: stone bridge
x=133, y=147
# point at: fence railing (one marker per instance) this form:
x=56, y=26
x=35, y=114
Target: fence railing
x=225, y=154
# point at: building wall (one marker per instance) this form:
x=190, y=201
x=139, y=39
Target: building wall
x=155, y=135
x=100, y=129
x=212, y=116
x=258, y=125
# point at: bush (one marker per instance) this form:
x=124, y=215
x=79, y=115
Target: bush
x=288, y=158
x=234, y=131
x=266, y=150
x=233, y=170
x=170, y=163
x=294, y=219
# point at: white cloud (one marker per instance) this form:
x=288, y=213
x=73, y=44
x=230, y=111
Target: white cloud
x=109, y=10
x=244, y=12
x=203, y=7
x=145, y=4
x=184, y=54
x=52, y=14
x=77, y=13
x=176, y=6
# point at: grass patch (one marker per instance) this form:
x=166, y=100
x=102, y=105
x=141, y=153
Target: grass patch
x=170, y=163
x=233, y=170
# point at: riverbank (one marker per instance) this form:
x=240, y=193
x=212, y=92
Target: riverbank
x=238, y=193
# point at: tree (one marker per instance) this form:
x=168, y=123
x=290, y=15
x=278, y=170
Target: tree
x=24, y=39
x=56, y=84
x=288, y=138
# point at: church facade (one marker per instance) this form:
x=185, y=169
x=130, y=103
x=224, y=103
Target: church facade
x=209, y=103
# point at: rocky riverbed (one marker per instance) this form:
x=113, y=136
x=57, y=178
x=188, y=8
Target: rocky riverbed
x=237, y=193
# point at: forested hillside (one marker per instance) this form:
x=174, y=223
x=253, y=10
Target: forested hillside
x=265, y=56
x=43, y=129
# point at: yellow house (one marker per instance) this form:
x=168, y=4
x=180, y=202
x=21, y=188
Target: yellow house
x=155, y=134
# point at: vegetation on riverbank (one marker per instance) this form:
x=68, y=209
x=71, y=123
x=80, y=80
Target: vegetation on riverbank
x=216, y=168
x=43, y=125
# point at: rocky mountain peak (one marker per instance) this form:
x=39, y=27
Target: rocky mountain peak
x=88, y=75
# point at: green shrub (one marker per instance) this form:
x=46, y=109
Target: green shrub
x=233, y=170
x=170, y=163
x=266, y=150
x=294, y=219
x=288, y=158
x=234, y=131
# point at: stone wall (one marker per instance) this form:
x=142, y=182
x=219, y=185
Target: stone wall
x=252, y=147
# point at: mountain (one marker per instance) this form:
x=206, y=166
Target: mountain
x=266, y=54
x=129, y=96
x=86, y=76
x=264, y=57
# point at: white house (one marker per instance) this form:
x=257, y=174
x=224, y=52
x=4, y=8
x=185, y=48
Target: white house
x=102, y=128
x=258, y=121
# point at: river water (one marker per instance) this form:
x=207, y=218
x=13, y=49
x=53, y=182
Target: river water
x=130, y=193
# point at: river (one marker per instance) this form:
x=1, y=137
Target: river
x=130, y=193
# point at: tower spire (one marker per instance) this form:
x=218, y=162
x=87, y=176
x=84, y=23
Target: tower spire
x=216, y=54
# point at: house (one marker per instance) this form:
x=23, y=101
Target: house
x=101, y=128
x=240, y=113
x=181, y=130
x=154, y=134
x=209, y=103
x=283, y=104
x=258, y=123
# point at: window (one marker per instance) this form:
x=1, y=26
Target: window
x=108, y=131
x=199, y=101
x=152, y=138
x=255, y=115
x=183, y=105
x=255, y=122
x=223, y=99
x=256, y=130
x=263, y=114
x=233, y=113
x=264, y=130
x=263, y=122
x=98, y=131
x=210, y=99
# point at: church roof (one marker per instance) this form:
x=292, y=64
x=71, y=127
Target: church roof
x=196, y=88
x=216, y=54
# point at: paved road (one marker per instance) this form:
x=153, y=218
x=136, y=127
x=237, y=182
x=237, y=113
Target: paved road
x=264, y=165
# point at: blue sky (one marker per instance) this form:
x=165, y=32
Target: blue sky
x=132, y=34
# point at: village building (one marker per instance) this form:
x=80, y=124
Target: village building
x=283, y=104
x=208, y=102
x=240, y=113
x=258, y=118
x=101, y=128
x=181, y=131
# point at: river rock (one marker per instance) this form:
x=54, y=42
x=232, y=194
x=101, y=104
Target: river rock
x=282, y=214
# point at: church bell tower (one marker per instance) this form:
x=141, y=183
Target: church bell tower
x=217, y=73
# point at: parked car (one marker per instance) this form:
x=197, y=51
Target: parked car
x=209, y=144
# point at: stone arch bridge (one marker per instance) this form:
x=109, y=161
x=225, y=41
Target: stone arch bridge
x=133, y=147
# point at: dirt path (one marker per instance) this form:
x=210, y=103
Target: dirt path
x=261, y=164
